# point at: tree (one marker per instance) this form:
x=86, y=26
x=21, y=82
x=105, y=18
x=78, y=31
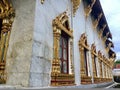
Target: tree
x=117, y=63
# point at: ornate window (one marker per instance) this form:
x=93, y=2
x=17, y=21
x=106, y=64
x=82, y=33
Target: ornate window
x=7, y=14
x=85, y=60
x=94, y=59
x=63, y=53
x=84, y=55
x=62, y=66
x=100, y=57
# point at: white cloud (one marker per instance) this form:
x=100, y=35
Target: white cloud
x=118, y=55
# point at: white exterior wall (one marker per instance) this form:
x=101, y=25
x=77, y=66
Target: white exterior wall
x=20, y=45
x=80, y=26
x=39, y=67
x=42, y=56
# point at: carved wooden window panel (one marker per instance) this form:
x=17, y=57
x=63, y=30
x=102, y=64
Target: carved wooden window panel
x=0, y=29
x=0, y=26
x=95, y=65
x=63, y=53
x=85, y=60
x=101, y=71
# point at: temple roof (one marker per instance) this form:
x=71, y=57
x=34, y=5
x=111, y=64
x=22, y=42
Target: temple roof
x=98, y=14
x=96, y=10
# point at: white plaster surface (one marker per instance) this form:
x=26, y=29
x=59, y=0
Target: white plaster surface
x=30, y=51
x=20, y=44
x=42, y=55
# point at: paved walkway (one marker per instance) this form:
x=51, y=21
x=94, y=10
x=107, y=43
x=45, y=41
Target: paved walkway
x=101, y=85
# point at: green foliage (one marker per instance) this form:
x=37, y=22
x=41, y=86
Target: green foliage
x=116, y=62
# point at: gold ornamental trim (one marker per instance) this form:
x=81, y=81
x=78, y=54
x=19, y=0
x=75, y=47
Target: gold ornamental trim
x=59, y=24
x=6, y=9
x=7, y=14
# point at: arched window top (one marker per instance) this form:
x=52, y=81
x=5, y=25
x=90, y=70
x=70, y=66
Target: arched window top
x=104, y=57
x=93, y=47
x=61, y=22
x=100, y=54
x=63, y=19
x=83, y=39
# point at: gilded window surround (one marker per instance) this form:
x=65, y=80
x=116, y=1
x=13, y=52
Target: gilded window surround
x=7, y=14
x=57, y=78
x=83, y=45
x=100, y=58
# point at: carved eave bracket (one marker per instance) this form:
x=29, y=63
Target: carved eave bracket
x=88, y=9
x=109, y=45
x=76, y=4
x=106, y=36
x=101, y=30
x=96, y=21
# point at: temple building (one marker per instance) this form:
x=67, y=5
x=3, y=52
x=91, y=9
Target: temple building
x=54, y=43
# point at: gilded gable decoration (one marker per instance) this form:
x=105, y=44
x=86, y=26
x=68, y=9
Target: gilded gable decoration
x=61, y=27
x=93, y=49
x=59, y=22
x=7, y=14
x=83, y=41
x=76, y=4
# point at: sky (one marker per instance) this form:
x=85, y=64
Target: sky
x=111, y=10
